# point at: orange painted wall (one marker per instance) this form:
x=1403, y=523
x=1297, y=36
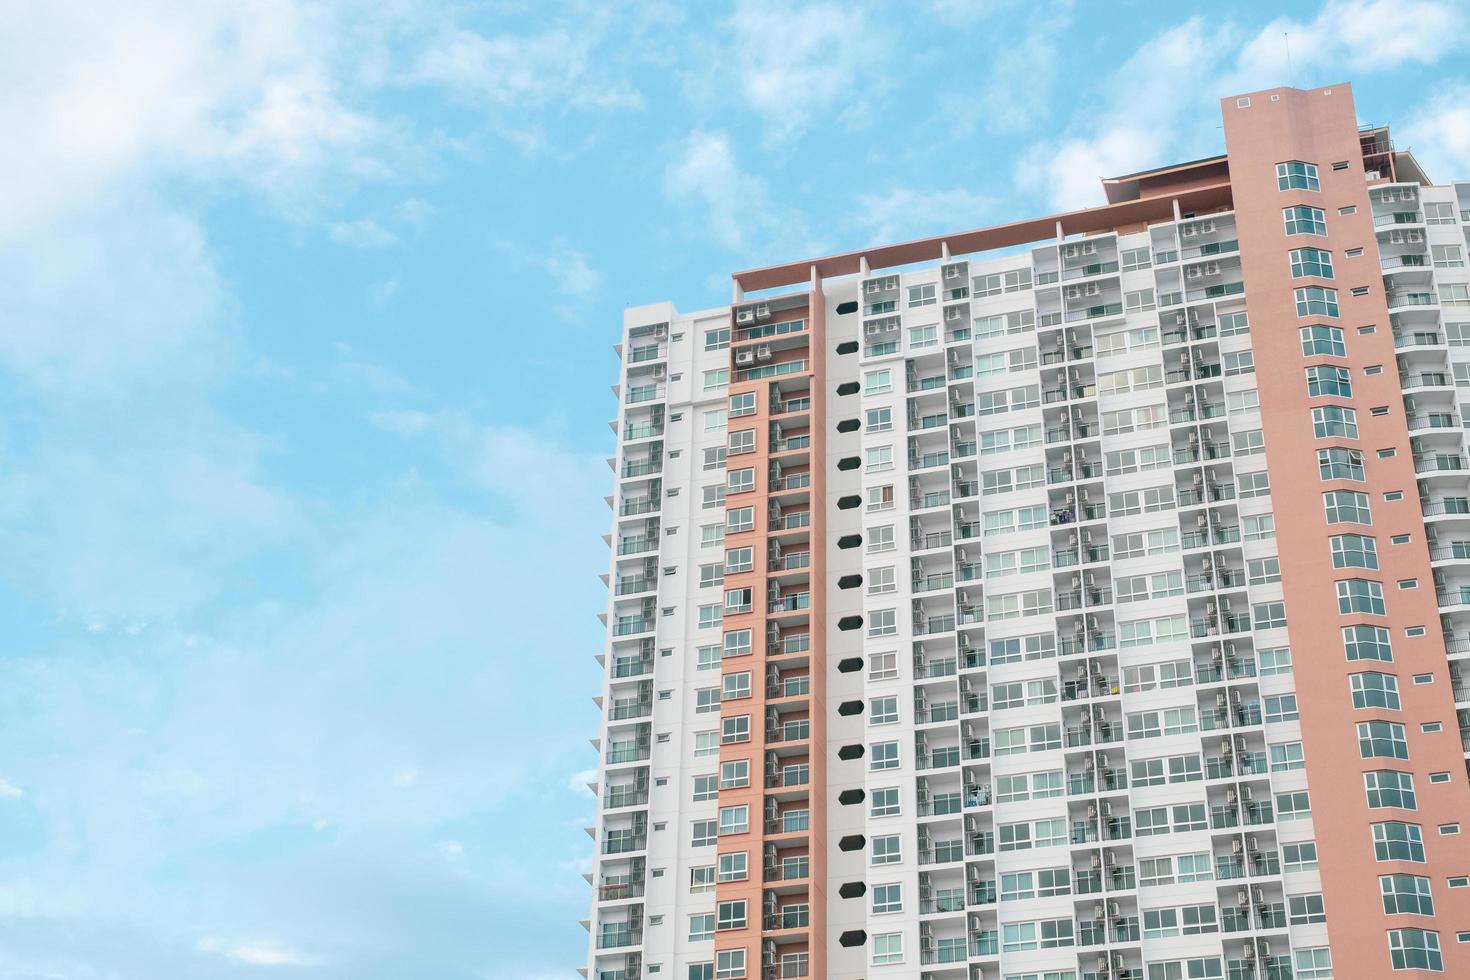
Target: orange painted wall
x=1321, y=128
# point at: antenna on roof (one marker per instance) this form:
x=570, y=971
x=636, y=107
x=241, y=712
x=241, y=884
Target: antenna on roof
x=1290, y=73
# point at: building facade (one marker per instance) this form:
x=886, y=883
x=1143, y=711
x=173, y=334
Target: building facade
x=1083, y=598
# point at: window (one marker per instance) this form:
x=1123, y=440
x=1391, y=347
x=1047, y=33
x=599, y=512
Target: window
x=1415, y=949
x=739, y=519
x=1304, y=910
x=1360, y=595
x=1372, y=689
x=1274, y=660
x=1347, y=506
x=702, y=879
x=1311, y=262
x=883, y=755
x=1406, y=895
x=1258, y=527
x=887, y=898
x=1268, y=615
x=1340, y=464
x=1254, y=485
x=739, y=481
x=1299, y=857
x=702, y=927
x=704, y=833
x=1396, y=841
x=730, y=915
x=742, y=441
x=881, y=580
x=1298, y=176
x=714, y=420
x=729, y=964
x=736, y=686
x=1454, y=294
x=1322, y=340
x=887, y=948
x=1286, y=756
x=880, y=539
x=1329, y=380
x=885, y=802
x=717, y=339
x=736, y=729
x=1354, y=551
x=737, y=643
x=736, y=601
x=735, y=774
x=1313, y=964
x=739, y=560
x=880, y=498
x=714, y=458
x=887, y=849
x=1334, y=420
x=1239, y=362
x=1302, y=220
x=883, y=711
x=1367, y=643
x=883, y=667
x=922, y=295
x=1382, y=740
x=1447, y=256
x=1280, y=707
x=716, y=380
x=880, y=458
x=734, y=867
x=879, y=419
x=878, y=382
x=1316, y=301
x=1387, y=788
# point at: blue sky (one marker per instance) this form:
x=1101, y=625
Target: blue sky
x=304, y=353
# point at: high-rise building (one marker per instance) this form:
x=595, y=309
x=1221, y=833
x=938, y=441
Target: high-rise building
x=1082, y=598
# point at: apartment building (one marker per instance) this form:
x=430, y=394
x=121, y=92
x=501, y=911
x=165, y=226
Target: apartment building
x=1082, y=598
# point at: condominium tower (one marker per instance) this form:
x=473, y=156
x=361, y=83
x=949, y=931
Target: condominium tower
x=1081, y=598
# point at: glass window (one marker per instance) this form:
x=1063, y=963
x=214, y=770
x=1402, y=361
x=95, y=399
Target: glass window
x=1388, y=788
x=1302, y=220
x=1415, y=949
x=1311, y=262
x=1396, y=841
x=1323, y=340
x=1316, y=301
x=1347, y=506
x=1360, y=595
x=1328, y=380
x=1296, y=175
x=1382, y=740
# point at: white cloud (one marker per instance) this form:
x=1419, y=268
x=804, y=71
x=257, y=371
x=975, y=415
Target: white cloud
x=361, y=233
x=904, y=213
x=578, y=781
x=572, y=275
x=450, y=848
x=795, y=61
x=1439, y=135
x=257, y=953
x=10, y=791
x=563, y=63
x=1346, y=39
x=706, y=174
x=1174, y=80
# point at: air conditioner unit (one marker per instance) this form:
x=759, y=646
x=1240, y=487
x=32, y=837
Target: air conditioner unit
x=954, y=313
x=1074, y=292
x=763, y=352
x=1070, y=251
x=1092, y=289
x=659, y=372
x=1413, y=236
x=952, y=272
x=1188, y=231
x=763, y=311
x=874, y=287
x=1206, y=227
x=661, y=331
x=1088, y=248
x=744, y=316
x=1212, y=268
x=744, y=357
x=1194, y=272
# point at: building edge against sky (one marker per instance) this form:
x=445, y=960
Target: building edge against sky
x=1081, y=597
